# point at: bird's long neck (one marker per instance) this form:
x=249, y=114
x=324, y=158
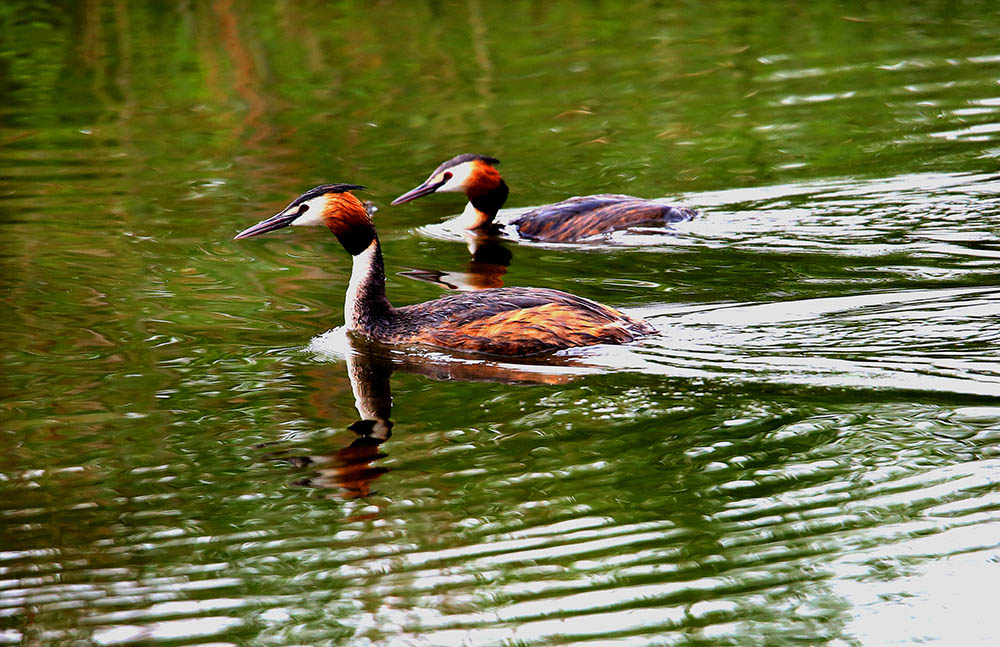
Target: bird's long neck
x=483, y=206
x=366, y=305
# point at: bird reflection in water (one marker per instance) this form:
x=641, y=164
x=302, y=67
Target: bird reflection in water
x=485, y=269
x=350, y=471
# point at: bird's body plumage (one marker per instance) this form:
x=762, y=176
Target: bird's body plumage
x=513, y=321
x=584, y=217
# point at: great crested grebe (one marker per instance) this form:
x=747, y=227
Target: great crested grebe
x=571, y=220
x=498, y=321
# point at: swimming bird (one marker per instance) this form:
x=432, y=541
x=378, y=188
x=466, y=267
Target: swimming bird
x=571, y=220
x=513, y=322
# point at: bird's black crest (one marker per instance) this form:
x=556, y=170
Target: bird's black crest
x=465, y=157
x=325, y=188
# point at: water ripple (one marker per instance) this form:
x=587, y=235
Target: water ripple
x=808, y=452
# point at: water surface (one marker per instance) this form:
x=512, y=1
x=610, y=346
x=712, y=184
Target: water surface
x=192, y=451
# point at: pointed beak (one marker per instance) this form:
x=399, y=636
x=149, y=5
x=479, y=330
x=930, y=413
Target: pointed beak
x=426, y=188
x=278, y=221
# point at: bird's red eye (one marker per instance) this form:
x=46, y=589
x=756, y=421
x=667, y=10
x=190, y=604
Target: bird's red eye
x=447, y=176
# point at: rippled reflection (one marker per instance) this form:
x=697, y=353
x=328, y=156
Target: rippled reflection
x=351, y=470
x=489, y=262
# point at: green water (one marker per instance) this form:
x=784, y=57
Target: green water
x=807, y=453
